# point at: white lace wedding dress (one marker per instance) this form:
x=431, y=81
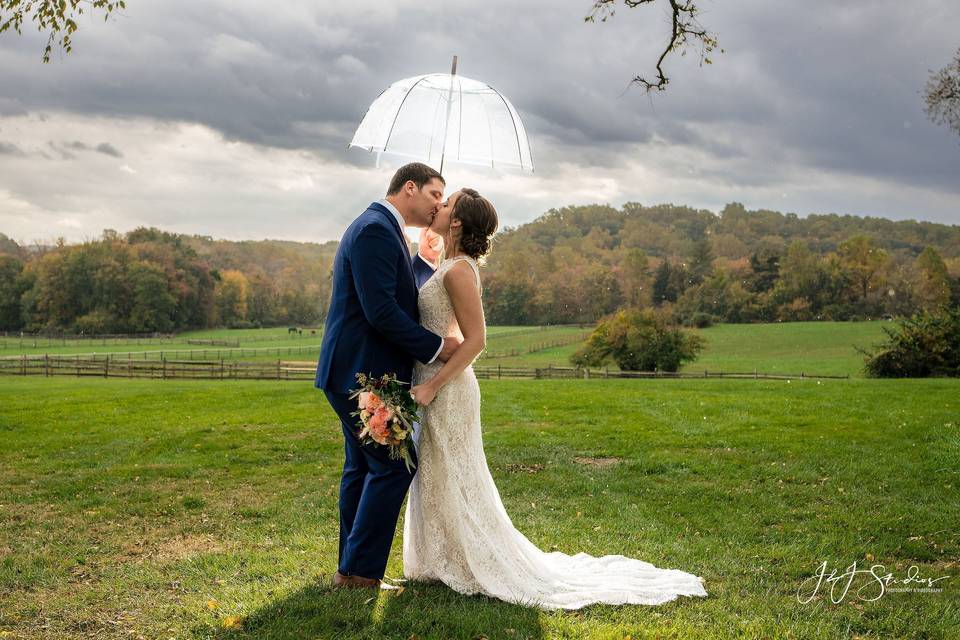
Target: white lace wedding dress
x=456, y=529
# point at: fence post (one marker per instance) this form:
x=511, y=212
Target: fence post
x=278, y=367
x=23, y=366
x=705, y=374
x=163, y=365
x=499, y=374
x=106, y=367
x=606, y=372
x=221, y=368
x=46, y=365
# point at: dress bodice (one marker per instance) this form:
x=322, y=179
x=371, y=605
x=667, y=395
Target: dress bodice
x=436, y=310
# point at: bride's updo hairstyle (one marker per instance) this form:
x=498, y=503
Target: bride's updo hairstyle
x=478, y=221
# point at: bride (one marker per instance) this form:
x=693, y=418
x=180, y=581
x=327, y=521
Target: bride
x=456, y=529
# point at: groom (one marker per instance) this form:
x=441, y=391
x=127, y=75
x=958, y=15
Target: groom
x=373, y=327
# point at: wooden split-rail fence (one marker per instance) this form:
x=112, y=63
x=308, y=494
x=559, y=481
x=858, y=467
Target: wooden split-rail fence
x=174, y=369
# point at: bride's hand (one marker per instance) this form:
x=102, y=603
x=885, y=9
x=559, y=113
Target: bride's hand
x=423, y=394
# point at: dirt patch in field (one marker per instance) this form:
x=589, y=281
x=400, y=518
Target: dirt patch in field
x=524, y=468
x=600, y=463
x=173, y=549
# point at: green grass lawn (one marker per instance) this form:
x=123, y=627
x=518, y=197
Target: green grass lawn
x=246, y=344
x=179, y=509
x=826, y=348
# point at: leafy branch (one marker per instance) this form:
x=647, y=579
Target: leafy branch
x=942, y=95
x=58, y=18
x=686, y=32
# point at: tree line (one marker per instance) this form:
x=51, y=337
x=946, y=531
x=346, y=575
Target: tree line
x=152, y=281
x=579, y=264
x=570, y=265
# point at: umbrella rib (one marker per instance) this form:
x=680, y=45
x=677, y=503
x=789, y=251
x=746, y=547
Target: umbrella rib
x=516, y=134
x=366, y=113
x=489, y=130
x=460, y=127
x=433, y=131
x=397, y=114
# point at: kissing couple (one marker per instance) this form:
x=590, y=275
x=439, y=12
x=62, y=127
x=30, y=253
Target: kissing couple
x=391, y=313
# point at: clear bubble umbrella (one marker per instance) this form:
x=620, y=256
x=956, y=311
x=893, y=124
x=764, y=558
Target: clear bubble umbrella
x=442, y=118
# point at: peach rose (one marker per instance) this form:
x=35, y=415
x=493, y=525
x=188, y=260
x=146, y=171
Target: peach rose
x=384, y=413
x=380, y=431
x=369, y=400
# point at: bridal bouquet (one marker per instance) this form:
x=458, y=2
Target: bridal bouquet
x=387, y=414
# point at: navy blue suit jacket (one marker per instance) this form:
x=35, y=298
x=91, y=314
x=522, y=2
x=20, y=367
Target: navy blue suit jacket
x=373, y=322
x=421, y=270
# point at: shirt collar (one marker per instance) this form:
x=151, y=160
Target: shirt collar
x=396, y=214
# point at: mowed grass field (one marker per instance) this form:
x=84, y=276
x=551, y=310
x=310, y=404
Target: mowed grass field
x=249, y=345
x=189, y=509
x=824, y=348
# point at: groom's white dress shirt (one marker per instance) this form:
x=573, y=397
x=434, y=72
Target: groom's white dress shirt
x=403, y=225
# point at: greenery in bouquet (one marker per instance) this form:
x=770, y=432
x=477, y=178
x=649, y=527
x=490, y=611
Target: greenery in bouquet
x=387, y=413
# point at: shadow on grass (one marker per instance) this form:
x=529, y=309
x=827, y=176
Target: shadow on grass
x=420, y=610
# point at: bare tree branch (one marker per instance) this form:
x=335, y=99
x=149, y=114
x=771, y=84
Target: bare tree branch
x=685, y=32
x=57, y=17
x=942, y=95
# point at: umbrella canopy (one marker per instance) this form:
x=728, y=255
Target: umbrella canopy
x=445, y=117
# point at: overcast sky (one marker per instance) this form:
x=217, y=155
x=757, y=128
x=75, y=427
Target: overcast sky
x=231, y=119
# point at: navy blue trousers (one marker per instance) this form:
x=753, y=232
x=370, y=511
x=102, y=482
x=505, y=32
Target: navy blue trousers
x=372, y=490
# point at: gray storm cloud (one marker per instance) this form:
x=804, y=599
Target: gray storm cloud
x=813, y=107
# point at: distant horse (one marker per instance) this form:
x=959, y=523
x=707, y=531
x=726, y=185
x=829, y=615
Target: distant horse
x=292, y=330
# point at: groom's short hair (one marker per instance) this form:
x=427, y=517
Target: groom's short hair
x=420, y=173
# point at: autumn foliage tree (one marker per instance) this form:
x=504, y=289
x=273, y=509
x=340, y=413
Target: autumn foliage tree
x=638, y=340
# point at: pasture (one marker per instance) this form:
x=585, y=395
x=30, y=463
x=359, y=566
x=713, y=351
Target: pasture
x=187, y=509
x=826, y=348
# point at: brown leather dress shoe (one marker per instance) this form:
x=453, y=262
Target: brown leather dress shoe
x=354, y=582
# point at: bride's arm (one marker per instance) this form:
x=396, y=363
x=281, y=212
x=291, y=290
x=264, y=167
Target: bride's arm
x=461, y=284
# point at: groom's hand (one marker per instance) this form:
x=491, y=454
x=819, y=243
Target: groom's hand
x=450, y=345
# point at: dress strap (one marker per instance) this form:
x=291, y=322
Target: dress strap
x=473, y=265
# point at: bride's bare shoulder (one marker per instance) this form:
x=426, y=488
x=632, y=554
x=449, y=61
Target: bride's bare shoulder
x=461, y=277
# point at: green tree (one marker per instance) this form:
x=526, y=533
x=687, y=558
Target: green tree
x=634, y=270
x=865, y=261
x=638, y=340
x=933, y=289
x=8, y=246
x=722, y=295
x=11, y=289
x=765, y=268
x=154, y=306
x=925, y=344
x=701, y=261
x=800, y=271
